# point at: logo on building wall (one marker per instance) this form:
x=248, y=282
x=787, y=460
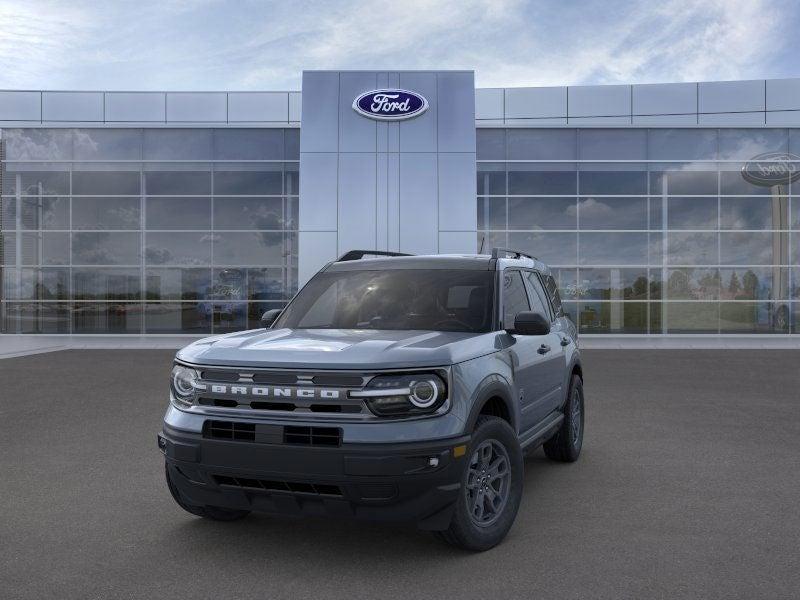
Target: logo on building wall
x=390, y=105
x=772, y=168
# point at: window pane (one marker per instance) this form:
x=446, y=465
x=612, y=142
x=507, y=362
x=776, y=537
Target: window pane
x=117, y=183
x=794, y=288
x=752, y=248
x=178, y=248
x=542, y=213
x=229, y=316
x=753, y=317
x=35, y=182
x=613, y=317
x=754, y=213
x=522, y=181
x=612, y=213
x=491, y=144
x=691, y=317
x=38, y=144
x=566, y=281
x=745, y=144
x=248, y=144
x=177, y=284
x=692, y=249
x=251, y=248
x=177, y=183
x=552, y=248
x=515, y=298
x=105, y=248
x=491, y=179
x=101, y=317
x=612, y=144
x=541, y=144
x=250, y=183
x=613, y=182
x=106, y=284
x=491, y=213
x=45, y=248
x=692, y=213
x=44, y=212
x=107, y=144
x=105, y=213
x=693, y=284
x=34, y=317
x=291, y=179
x=268, y=284
x=683, y=183
x=291, y=144
x=755, y=283
x=613, y=284
x=248, y=213
x=183, y=317
x=178, y=213
x=613, y=248
x=35, y=284
x=178, y=144
x=731, y=181
x=682, y=144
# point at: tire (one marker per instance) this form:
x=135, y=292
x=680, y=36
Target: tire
x=478, y=532
x=566, y=444
x=215, y=513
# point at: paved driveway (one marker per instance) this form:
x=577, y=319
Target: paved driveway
x=687, y=488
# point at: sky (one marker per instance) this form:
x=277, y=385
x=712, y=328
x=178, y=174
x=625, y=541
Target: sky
x=265, y=45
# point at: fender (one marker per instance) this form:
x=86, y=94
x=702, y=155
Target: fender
x=493, y=386
x=575, y=362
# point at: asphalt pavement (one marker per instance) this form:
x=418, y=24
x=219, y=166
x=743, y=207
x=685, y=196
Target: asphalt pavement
x=687, y=487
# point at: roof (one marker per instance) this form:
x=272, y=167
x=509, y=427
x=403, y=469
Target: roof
x=479, y=262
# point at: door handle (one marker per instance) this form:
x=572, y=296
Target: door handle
x=565, y=341
x=543, y=349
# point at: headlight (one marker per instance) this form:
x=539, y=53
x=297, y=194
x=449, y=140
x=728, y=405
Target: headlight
x=403, y=395
x=183, y=384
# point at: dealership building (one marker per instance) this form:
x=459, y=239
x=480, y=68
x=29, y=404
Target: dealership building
x=663, y=209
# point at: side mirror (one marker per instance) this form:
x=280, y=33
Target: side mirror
x=268, y=318
x=531, y=323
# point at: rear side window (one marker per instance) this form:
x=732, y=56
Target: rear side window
x=515, y=299
x=555, y=298
x=538, y=297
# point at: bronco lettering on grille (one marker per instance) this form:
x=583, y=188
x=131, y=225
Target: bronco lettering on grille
x=275, y=392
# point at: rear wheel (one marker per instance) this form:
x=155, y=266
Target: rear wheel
x=565, y=445
x=216, y=513
x=491, y=488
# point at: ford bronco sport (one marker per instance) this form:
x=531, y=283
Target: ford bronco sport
x=397, y=387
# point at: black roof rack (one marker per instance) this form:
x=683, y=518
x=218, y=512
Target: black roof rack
x=497, y=252
x=359, y=254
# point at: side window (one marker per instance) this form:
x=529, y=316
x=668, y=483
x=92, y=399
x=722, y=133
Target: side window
x=537, y=295
x=555, y=298
x=515, y=299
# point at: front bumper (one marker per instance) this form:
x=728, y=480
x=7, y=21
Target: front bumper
x=404, y=482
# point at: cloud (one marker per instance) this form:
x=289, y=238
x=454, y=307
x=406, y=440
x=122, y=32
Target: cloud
x=212, y=44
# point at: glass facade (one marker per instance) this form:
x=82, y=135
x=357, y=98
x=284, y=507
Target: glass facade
x=650, y=230
x=146, y=230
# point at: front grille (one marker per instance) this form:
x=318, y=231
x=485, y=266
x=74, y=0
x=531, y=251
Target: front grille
x=317, y=489
x=264, y=433
x=312, y=436
x=230, y=430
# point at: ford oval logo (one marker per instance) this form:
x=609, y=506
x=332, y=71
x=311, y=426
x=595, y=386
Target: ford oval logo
x=772, y=168
x=390, y=105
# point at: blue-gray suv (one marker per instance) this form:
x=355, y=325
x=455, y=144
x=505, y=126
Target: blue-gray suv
x=392, y=387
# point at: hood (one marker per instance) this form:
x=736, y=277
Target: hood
x=339, y=348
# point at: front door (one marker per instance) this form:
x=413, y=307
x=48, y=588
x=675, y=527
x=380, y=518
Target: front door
x=529, y=359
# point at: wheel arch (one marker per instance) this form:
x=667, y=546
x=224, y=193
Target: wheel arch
x=493, y=398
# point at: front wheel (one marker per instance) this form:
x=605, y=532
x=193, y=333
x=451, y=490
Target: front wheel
x=491, y=488
x=565, y=445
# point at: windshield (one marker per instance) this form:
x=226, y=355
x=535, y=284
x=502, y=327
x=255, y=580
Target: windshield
x=436, y=300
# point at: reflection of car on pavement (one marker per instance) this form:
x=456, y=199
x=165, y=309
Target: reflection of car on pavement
x=399, y=388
